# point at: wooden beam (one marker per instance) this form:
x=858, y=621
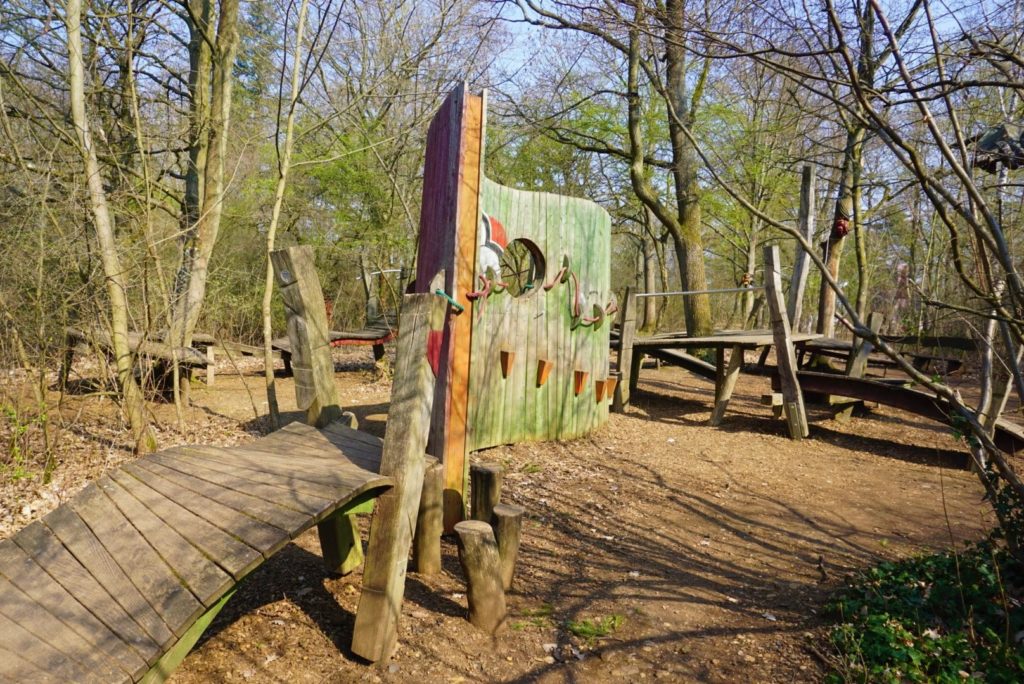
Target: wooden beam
x=627, y=371
x=481, y=563
x=375, y=635
x=308, y=334
x=796, y=415
x=725, y=381
x=801, y=263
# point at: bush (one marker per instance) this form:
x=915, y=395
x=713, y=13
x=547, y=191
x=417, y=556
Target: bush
x=946, y=617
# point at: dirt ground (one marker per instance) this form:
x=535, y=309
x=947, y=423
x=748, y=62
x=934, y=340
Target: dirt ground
x=711, y=549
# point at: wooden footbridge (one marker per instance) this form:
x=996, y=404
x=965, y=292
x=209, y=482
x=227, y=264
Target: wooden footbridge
x=118, y=584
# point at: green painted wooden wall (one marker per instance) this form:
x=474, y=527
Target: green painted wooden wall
x=540, y=324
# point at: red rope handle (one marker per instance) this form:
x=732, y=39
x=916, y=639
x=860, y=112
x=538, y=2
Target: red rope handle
x=481, y=293
x=558, y=279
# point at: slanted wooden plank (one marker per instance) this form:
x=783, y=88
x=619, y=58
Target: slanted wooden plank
x=226, y=476
x=235, y=557
x=304, y=472
x=265, y=538
x=261, y=509
x=375, y=634
x=26, y=574
x=349, y=457
x=204, y=578
x=22, y=610
x=14, y=668
x=627, y=371
x=337, y=435
x=312, y=364
x=796, y=415
x=40, y=654
x=46, y=550
x=133, y=553
x=801, y=262
x=725, y=381
x=90, y=552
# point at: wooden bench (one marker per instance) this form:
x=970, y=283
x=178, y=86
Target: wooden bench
x=373, y=336
x=119, y=583
x=146, y=349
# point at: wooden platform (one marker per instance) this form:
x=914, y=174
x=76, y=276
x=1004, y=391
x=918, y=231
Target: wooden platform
x=1008, y=436
x=117, y=584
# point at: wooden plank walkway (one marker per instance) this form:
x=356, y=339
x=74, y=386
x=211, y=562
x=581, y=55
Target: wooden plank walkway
x=102, y=587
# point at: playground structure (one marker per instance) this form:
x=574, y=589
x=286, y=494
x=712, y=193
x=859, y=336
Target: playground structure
x=724, y=372
x=119, y=583
x=523, y=353
x=800, y=354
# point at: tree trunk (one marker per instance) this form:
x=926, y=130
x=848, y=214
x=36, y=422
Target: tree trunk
x=283, y=163
x=689, y=245
x=832, y=247
x=200, y=239
x=145, y=439
x=650, y=262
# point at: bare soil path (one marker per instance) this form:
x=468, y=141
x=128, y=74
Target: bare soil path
x=711, y=549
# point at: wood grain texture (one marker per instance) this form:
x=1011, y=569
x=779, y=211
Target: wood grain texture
x=124, y=577
x=537, y=400
x=375, y=635
x=82, y=628
x=308, y=334
x=796, y=414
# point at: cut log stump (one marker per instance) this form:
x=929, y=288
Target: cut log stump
x=485, y=480
x=481, y=563
x=507, y=522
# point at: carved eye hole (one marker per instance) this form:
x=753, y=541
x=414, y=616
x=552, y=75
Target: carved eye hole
x=522, y=267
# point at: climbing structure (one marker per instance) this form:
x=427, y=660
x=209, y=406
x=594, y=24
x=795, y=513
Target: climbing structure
x=524, y=352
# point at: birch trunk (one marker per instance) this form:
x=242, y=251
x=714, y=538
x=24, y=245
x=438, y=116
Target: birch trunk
x=134, y=407
x=283, y=163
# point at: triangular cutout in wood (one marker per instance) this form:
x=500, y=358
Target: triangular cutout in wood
x=580, y=381
x=507, y=358
x=543, y=371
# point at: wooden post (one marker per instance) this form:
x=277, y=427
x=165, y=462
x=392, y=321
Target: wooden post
x=725, y=380
x=426, y=549
x=796, y=416
x=481, y=563
x=210, y=365
x=312, y=365
x=857, y=365
x=485, y=483
x=627, y=371
x=340, y=544
x=801, y=265
x=507, y=522
x=375, y=634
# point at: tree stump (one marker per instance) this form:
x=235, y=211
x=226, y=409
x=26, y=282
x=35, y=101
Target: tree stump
x=485, y=480
x=426, y=549
x=507, y=522
x=481, y=563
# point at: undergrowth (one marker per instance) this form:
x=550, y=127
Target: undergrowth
x=947, y=617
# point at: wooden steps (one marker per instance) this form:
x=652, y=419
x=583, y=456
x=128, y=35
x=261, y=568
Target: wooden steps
x=100, y=589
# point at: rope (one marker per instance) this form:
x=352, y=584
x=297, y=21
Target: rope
x=454, y=304
x=557, y=279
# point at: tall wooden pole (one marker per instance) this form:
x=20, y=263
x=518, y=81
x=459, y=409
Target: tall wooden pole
x=793, y=400
x=801, y=263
